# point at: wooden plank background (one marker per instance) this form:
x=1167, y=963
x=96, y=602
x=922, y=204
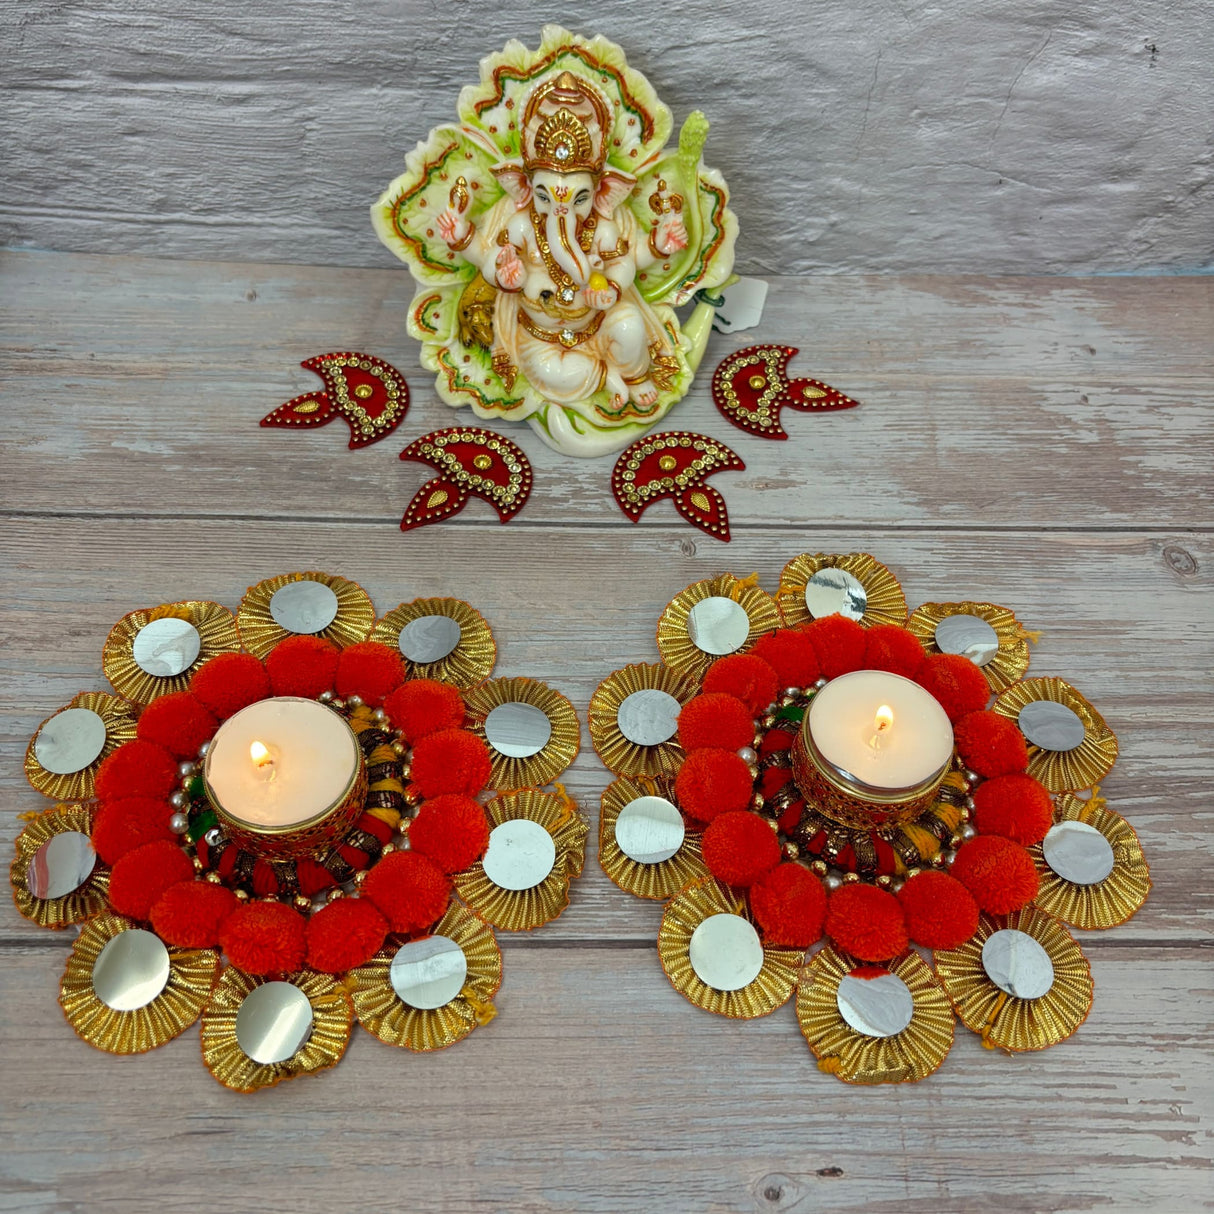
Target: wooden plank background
x=1042, y=443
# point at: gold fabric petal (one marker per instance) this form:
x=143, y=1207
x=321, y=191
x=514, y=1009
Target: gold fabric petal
x=659, y=881
x=886, y=602
x=680, y=652
x=558, y=752
x=83, y=902
x=1012, y=660
x=470, y=662
x=620, y=755
x=259, y=631
x=119, y=717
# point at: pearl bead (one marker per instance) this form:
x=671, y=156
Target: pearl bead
x=947, y=857
x=748, y=754
x=187, y=769
x=179, y=800
x=203, y=749
x=379, y=716
x=793, y=692
x=967, y=831
x=214, y=836
x=179, y=824
x=820, y=684
x=832, y=881
x=354, y=701
x=325, y=697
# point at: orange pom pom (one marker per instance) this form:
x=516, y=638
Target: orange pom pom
x=789, y=904
x=452, y=760
x=424, y=706
x=142, y=875
x=121, y=826
x=715, y=719
x=866, y=922
x=369, y=670
x=713, y=782
x=265, y=938
x=956, y=682
x=178, y=722
x=302, y=666
x=1017, y=807
x=344, y=935
x=739, y=848
x=136, y=769
x=410, y=890
x=190, y=913
x=990, y=744
x=940, y=912
x=452, y=830
x=999, y=873
x=840, y=644
x=789, y=652
x=746, y=676
x=888, y=647
x=230, y=682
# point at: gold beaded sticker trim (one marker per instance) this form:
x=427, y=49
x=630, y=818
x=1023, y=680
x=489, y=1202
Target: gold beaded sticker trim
x=620, y=755
x=886, y=602
x=684, y=913
x=906, y=1057
x=1012, y=660
x=469, y=663
x=119, y=719
x=216, y=630
x=1108, y=902
x=332, y=1016
x=1000, y=1019
x=680, y=652
x=84, y=901
x=659, y=881
x=191, y=980
x=260, y=632
x=1063, y=770
x=509, y=772
x=523, y=909
x=382, y=1012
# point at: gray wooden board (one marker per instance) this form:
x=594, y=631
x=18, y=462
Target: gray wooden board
x=598, y=1088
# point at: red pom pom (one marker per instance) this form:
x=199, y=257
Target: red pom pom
x=302, y=666
x=999, y=873
x=190, y=913
x=791, y=655
x=789, y=904
x=739, y=848
x=840, y=644
x=956, y=682
x=122, y=826
x=265, y=938
x=370, y=670
x=136, y=769
x=178, y=722
x=717, y=720
x=713, y=782
x=452, y=760
x=142, y=875
x=990, y=744
x=940, y=912
x=230, y=682
x=866, y=922
x=409, y=889
x=344, y=935
x=746, y=676
x=452, y=830
x=423, y=706
x=1017, y=807
x=312, y=877
x=888, y=647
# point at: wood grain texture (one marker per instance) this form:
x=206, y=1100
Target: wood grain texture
x=134, y=473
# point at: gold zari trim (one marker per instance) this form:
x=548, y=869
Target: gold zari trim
x=619, y=755
x=470, y=662
x=557, y=753
x=886, y=602
x=119, y=719
x=659, y=881
x=85, y=900
x=260, y=633
x=1012, y=660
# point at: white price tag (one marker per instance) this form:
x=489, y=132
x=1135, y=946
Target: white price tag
x=743, y=306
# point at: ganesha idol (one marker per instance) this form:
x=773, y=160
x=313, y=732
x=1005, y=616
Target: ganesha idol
x=553, y=234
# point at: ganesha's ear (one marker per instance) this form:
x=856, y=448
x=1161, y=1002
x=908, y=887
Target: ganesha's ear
x=514, y=181
x=612, y=189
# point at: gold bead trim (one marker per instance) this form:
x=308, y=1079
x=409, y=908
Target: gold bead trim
x=886, y=602
x=119, y=719
x=559, y=751
x=83, y=902
x=680, y=652
x=1012, y=660
x=259, y=631
x=469, y=663
x=619, y=754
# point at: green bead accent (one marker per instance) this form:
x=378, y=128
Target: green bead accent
x=201, y=823
x=790, y=712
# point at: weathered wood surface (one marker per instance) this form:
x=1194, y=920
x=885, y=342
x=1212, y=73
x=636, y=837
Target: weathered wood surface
x=133, y=473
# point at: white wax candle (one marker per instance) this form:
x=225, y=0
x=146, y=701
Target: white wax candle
x=912, y=748
x=312, y=758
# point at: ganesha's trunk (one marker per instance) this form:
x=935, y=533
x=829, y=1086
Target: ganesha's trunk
x=565, y=252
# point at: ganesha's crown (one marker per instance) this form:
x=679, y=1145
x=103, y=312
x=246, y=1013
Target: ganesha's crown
x=565, y=123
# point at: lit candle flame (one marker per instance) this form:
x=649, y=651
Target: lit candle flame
x=260, y=754
x=883, y=720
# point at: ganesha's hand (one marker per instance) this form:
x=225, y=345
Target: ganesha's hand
x=510, y=268
x=602, y=299
x=455, y=230
x=670, y=234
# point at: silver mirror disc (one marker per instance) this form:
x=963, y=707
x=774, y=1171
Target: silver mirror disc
x=649, y=717
x=836, y=592
x=62, y=864
x=521, y=854
x=1017, y=964
x=166, y=647
x=1051, y=726
x=70, y=741
x=718, y=625
x=880, y=1006
x=428, y=973
x=1078, y=853
x=968, y=635
x=517, y=730
x=649, y=830
x=303, y=607
x=726, y=952
x=429, y=638
x=131, y=970
x=274, y=1022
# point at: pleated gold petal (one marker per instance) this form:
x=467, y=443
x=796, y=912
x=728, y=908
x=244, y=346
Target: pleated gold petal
x=260, y=633
x=1108, y=902
x=619, y=755
x=680, y=652
x=119, y=718
x=558, y=752
x=523, y=909
x=886, y=602
x=662, y=880
x=1012, y=660
x=191, y=980
x=83, y=902
x=332, y=1013
x=216, y=629
x=382, y=1012
x=907, y=1057
x=467, y=664
x=684, y=913
x=1063, y=770
x=1019, y=1024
